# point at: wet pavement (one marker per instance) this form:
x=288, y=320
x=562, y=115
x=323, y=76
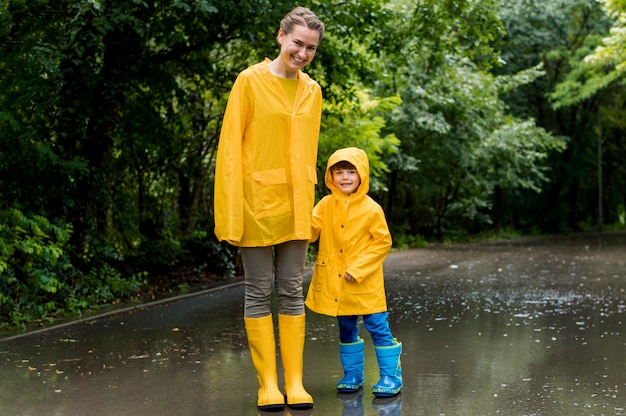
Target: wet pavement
x=520, y=327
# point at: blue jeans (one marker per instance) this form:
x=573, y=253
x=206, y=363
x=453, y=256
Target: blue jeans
x=376, y=324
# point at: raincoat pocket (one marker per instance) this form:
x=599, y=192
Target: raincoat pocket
x=270, y=193
x=365, y=287
x=321, y=272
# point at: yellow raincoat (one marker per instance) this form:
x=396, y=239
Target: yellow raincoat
x=265, y=168
x=354, y=238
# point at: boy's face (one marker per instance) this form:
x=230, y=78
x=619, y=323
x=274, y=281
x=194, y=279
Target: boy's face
x=346, y=179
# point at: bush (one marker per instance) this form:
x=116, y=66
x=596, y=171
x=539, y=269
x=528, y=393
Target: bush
x=206, y=253
x=32, y=262
x=37, y=278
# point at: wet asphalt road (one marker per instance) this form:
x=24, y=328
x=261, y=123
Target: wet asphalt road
x=520, y=327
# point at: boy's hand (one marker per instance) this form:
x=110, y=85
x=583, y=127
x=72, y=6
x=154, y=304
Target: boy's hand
x=349, y=278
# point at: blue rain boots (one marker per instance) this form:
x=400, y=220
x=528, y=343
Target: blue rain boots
x=352, y=360
x=390, y=383
x=260, y=333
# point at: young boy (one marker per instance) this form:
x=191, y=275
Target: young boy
x=348, y=279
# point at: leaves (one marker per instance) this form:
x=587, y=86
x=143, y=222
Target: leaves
x=37, y=278
x=360, y=124
x=600, y=68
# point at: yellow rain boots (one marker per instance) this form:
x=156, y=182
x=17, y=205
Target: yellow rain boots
x=291, y=334
x=262, y=343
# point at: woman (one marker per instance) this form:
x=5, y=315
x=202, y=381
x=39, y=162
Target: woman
x=264, y=193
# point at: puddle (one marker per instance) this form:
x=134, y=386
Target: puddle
x=527, y=327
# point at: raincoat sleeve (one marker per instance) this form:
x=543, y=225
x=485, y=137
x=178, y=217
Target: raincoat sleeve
x=228, y=192
x=316, y=222
x=369, y=261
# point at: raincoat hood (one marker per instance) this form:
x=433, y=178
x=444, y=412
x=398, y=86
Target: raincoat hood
x=358, y=158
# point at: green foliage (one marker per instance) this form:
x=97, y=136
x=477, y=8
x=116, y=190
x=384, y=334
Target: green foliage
x=101, y=286
x=600, y=68
x=458, y=145
x=577, y=99
x=37, y=279
x=359, y=123
x=204, y=252
x=356, y=34
x=404, y=239
x=31, y=255
x=31, y=259
x=463, y=28
x=516, y=151
x=502, y=234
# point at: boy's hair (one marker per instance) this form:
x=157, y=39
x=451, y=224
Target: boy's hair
x=344, y=164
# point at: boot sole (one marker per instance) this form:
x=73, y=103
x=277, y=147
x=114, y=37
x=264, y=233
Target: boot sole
x=272, y=407
x=301, y=406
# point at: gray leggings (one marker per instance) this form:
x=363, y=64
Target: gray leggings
x=258, y=267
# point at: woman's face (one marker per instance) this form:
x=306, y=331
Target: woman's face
x=297, y=49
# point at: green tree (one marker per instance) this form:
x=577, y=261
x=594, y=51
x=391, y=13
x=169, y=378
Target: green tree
x=110, y=115
x=559, y=35
x=599, y=68
x=109, y=118
x=597, y=80
x=457, y=135
x=117, y=113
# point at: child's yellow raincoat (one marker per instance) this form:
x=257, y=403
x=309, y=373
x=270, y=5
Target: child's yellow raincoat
x=354, y=238
x=265, y=168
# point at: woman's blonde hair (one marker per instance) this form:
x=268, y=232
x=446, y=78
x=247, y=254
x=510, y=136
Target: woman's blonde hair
x=304, y=17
